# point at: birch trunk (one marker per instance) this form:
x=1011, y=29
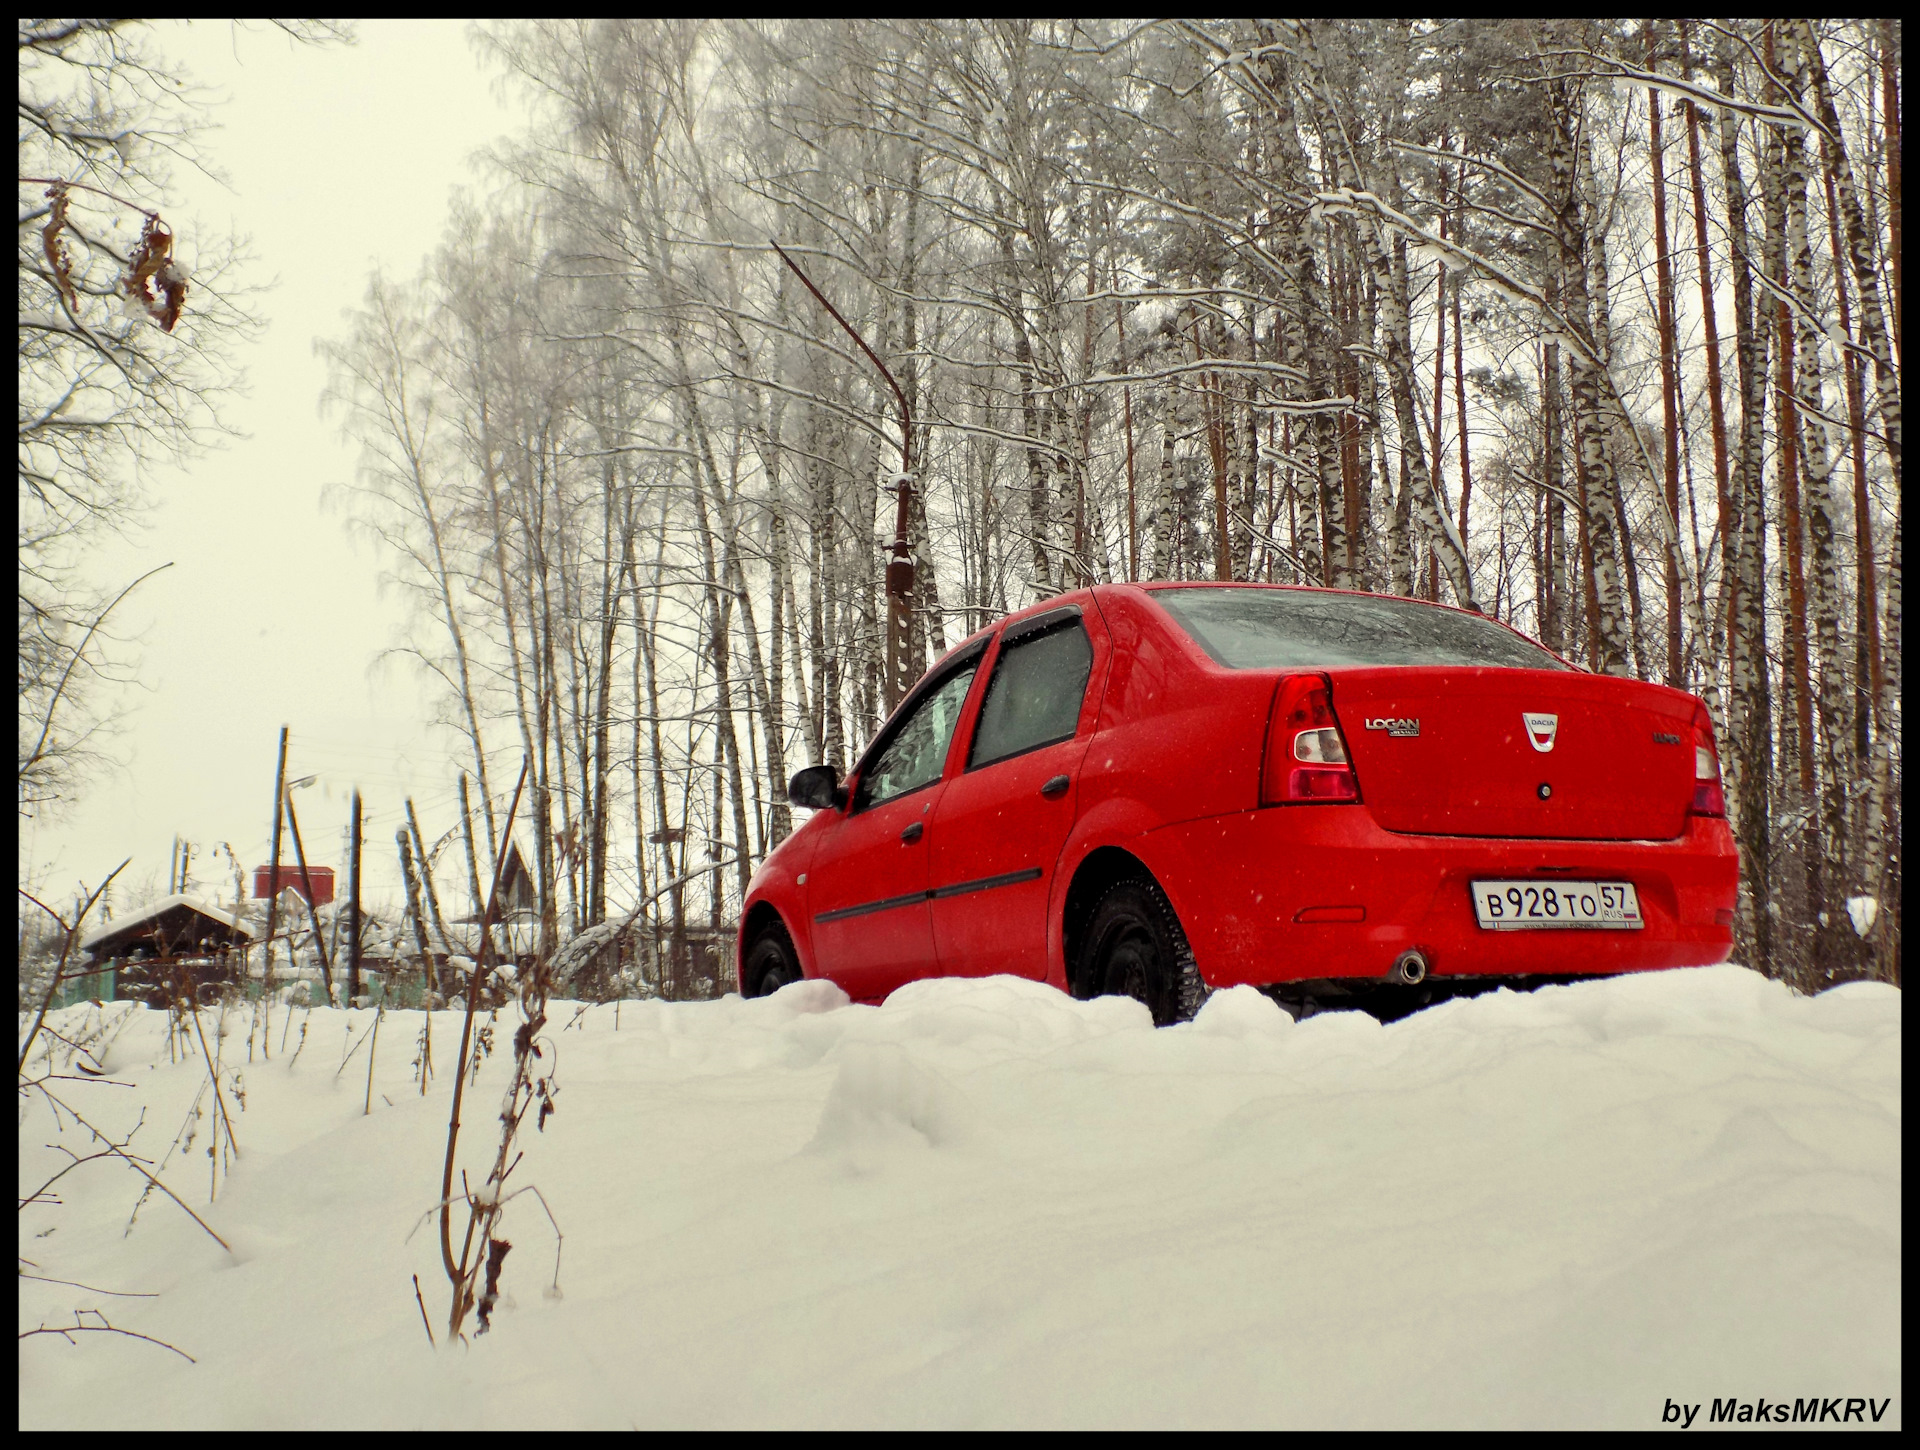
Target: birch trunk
x=1669, y=373
x=1750, y=779
x=1553, y=631
x=1835, y=943
x=1589, y=388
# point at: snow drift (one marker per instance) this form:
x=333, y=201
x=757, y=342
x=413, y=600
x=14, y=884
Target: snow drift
x=984, y=1204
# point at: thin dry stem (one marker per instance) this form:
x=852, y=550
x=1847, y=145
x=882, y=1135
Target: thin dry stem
x=103, y=1327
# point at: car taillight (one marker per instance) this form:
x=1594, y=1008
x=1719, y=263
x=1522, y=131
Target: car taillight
x=1709, y=798
x=1306, y=758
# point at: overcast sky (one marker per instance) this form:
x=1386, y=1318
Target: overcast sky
x=341, y=159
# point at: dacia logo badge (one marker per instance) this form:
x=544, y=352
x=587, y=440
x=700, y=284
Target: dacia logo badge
x=1401, y=727
x=1540, y=730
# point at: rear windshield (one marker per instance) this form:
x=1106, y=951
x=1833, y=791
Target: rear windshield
x=1264, y=629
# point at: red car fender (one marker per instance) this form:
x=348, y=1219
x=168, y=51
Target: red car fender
x=777, y=885
x=1154, y=853
x=1135, y=827
x=1119, y=821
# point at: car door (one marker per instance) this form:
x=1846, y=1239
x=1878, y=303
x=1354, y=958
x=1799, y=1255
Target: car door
x=867, y=884
x=999, y=826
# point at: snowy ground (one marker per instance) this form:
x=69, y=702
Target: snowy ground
x=984, y=1204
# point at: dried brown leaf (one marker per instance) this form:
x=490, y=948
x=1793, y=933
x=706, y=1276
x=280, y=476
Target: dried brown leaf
x=59, y=259
x=151, y=264
x=496, y=1256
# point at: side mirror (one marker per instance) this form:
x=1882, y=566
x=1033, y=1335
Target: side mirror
x=817, y=788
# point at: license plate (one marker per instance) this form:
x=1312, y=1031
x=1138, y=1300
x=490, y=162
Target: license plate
x=1588, y=905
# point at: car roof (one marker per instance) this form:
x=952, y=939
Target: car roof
x=1150, y=587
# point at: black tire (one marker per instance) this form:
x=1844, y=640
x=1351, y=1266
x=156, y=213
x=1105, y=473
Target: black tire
x=1134, y=947
x=771, y=964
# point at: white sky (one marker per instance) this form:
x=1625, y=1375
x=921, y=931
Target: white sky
x=341, y=159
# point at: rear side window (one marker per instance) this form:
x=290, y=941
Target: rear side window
x=1034, y=696
x=1264, y=629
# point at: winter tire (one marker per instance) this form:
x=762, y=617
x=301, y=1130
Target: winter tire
x=771, y=963
x=1134, y=947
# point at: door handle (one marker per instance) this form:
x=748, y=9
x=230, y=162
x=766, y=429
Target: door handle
x=1056, y=787
x=912, y=834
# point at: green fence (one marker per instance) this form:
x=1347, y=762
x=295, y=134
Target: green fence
x=89, y=987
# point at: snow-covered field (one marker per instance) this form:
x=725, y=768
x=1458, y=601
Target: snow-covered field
x=985, y=1204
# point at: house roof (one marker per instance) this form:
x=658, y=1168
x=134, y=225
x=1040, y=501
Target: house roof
x=147, y=917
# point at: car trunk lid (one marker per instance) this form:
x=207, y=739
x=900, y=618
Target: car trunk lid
x=1540, y=754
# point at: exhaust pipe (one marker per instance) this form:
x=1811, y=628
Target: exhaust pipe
x=1409, y=968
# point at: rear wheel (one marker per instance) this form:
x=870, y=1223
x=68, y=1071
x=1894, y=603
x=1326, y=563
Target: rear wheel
x=1134, y=947
x=772, y=963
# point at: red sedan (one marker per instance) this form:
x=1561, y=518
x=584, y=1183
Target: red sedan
x=1159, y=789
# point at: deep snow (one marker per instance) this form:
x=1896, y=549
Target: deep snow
x=983, y=1204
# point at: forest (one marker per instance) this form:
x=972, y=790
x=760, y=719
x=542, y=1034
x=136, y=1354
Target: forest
x=1592, y=326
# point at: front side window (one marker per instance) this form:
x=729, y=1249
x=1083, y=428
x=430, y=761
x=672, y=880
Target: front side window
x=1265, y=629
x=918, y=750
x=1034, y=696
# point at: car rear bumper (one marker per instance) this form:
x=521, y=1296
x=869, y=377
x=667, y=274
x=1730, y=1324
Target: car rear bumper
x=1292, y=893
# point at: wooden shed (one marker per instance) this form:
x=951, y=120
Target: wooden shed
x=143, y=949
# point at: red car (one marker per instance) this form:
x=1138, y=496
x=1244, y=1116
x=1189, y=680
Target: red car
x=1160, y=789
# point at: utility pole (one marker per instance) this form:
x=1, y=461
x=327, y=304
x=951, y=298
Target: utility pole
x=273, y=871
x=313, y=911
x=353, y=904
x=473, y=864
x=900, y=567
x=428, y=974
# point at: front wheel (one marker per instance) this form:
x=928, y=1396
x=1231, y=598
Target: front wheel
x=771, y=963
x=1134, y=947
